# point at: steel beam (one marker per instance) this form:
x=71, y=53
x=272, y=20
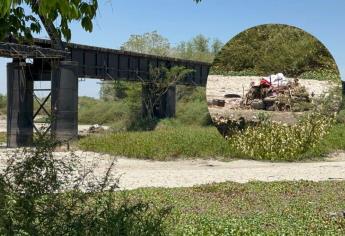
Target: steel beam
x=21, y=51
x=108, y=64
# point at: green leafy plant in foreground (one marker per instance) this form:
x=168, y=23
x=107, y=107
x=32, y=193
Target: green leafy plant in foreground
x=273, y=141
x=41, y=194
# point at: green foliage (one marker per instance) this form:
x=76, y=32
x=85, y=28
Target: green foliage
x=273, y=141
x=41, y=195
x=321, y=74
x=160, y=80
x=149, y=43
x=3, y=104
x=14, y=21
x=160, y=144
x=254, y=208
x=341, y=117
x=273, y=48
x=114, y=90
x=172, y=139
x=2, y=137
x=198, y=48
x=94, y=111
x=191, y=108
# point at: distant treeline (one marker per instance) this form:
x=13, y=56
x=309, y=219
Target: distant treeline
x=199, y=48
x=269, y=49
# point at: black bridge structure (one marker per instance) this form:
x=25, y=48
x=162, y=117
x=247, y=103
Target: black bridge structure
x=63, y=67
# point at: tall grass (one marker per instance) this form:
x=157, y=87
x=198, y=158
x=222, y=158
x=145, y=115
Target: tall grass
x=161, y=144
x=169, y=143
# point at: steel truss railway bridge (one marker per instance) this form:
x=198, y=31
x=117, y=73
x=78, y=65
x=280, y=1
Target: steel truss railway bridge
x=63, y=66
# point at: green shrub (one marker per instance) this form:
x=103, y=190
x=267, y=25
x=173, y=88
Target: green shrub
x=3, y=104
x=44, y=195
x=191, y=107
x=321, y=74
x=2, y=137
x=341, y=117
x=272, y=48
x=216, y=70
x=162, y=144
x=273, y=141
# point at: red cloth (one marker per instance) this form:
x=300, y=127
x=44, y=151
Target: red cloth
x=265, y=83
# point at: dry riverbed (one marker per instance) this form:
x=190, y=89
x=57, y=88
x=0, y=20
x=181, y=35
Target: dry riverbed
x=185, y=173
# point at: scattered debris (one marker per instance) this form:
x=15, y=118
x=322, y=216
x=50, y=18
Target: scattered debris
x=277, y=95
x=232, y=95
x=218, y=102
x=96, y=128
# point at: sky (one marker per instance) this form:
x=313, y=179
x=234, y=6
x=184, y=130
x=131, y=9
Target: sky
x=181, y=20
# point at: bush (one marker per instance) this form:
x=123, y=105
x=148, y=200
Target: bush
x=271, y=141
x=42, y=195
x=272, y=48
x=164, y=143
x=3, y=104
x=321, y=74
x=191, y=108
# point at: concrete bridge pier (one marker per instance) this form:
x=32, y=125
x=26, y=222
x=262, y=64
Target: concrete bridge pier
x=168, y=103
x=19, y=105
x=165, y=107
x=64, y=99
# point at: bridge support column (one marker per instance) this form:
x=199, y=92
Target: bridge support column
x=165, y=107
x=169, y=102
x=65, y=101
x=19, y=105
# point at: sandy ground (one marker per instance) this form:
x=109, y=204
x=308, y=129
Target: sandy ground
x=185, y=173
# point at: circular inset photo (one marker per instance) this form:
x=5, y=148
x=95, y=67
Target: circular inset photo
x=272, y=72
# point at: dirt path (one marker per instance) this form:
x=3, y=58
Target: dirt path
x=184, y=173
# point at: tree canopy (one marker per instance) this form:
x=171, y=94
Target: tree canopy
x=21, y=18
x=268, y=49
x=149, y=43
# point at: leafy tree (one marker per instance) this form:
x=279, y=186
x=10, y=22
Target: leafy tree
x=161, y=78
x=150, y=43
x=200, y=43
x=198, y=48
x=216, y=46
x=16, y=22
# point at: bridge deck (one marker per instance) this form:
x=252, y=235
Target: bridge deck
x=112, y=64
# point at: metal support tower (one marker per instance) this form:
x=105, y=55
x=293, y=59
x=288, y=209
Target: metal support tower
x=64, y=100
x=19, y=105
